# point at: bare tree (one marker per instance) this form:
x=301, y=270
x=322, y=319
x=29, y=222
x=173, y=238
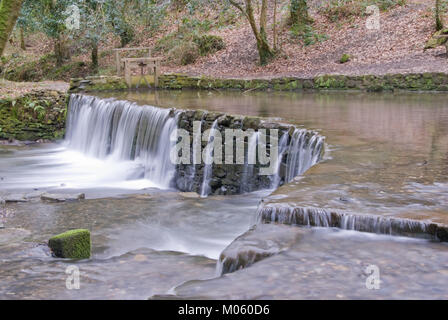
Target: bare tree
x=265, y=51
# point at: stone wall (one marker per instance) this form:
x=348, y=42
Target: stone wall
x=424, y=81
x=97, y=83
x=389, y=82
x=37, y=115
x=229, y=179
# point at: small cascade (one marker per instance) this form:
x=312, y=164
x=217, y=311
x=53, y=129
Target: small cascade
x=303, y=152
x=317, y=217
x=282, y=147
x=249, y=162
x=208, y=165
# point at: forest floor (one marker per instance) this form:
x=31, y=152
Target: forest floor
x=397, y=47
x=11, y=90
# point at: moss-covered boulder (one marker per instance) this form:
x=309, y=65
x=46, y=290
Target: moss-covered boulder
x=73, y=244
x=345, y=58
x=436, y=39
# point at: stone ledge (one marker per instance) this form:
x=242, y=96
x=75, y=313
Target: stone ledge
x=318, y=217
x=371, y=83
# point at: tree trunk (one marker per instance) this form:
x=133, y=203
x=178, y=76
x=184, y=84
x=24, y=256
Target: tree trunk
x=95, y=58
x=298, y=11
x=439, y=23
x=264, y=50
x=22, y=40
x=274, y=31
x=59, y=51
x=9, y=12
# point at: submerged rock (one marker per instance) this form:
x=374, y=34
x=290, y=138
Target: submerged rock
x=189, y=195
x=62, y=197
x=12, y=235
x=74, y=244
x=14, y=198
x=260, y=242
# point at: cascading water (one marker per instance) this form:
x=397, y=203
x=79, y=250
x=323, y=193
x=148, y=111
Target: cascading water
x=297, y=153
x=318, y=217
x=250, y=161
x=123, y=131
x=208, y=166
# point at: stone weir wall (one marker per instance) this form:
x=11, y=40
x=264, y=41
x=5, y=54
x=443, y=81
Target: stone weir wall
x=278, y=152
x=388, y=82
x=374, y=83
x=318, y=217
x=298, y=149
x=34, y=116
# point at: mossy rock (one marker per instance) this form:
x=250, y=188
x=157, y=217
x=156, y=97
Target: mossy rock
x=345, y=58
x=73, y=244
x=435, y=41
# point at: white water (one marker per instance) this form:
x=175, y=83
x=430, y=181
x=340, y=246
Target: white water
x=121, y=145
x=208, y=166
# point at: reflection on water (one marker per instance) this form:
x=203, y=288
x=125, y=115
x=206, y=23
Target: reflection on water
x=388, y=155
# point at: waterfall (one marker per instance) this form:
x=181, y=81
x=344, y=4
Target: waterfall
x=318, y=217
x=296, y=153
x=208, y=165
x=139, y=136
x=122, y=131
x=249, y=162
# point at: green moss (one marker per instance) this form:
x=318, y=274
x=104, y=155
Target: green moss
x=32, y=117
x=426, y=81
x=435, y=40
x=345, y=58
x=73, y=244
x=209, y=44
x=330, y=82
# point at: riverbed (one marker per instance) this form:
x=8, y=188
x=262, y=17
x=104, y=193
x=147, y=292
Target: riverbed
x=386, y=154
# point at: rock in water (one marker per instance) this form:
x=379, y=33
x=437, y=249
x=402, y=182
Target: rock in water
x=62, y=197
x=189, y=195
x=260, y=242
x=73, y=244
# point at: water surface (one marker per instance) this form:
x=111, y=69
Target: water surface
x=386, y=154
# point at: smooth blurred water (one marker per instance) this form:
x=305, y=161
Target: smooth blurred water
x=388, y=155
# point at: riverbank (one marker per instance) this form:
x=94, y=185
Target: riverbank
x=32, y=111
x=372, y=83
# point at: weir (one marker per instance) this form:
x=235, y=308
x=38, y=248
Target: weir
x=124, y=131
x=318, y=217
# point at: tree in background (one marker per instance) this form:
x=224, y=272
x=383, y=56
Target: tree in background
x=49, y=16
x=298, y=12
x=265, y=51
x=439, y=23
x=93, y=26
x=9, y=12
x=117, y=16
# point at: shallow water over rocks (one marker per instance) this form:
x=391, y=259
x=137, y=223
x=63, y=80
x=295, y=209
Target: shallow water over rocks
x=387, y=156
